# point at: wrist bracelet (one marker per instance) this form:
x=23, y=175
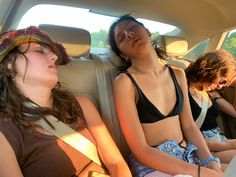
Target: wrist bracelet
x=206, y=162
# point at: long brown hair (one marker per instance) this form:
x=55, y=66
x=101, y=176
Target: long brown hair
x=65, y=106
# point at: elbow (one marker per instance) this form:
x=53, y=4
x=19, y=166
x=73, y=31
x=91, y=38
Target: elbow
x=119, y=168
x=140, y=153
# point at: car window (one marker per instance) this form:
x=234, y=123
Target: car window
x=230, y=43
x=197, y=50
x=98, y=25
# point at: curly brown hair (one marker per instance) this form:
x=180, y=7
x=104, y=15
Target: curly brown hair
x=209, y=66
x=65, y=106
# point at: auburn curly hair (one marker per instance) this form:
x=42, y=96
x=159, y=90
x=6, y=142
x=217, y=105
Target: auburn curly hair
x=210, y=66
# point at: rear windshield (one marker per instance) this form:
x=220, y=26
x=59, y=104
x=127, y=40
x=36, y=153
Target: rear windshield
x=98, y=25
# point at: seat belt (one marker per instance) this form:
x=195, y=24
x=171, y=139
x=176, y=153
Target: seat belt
x=70, y=137
x=202, y=115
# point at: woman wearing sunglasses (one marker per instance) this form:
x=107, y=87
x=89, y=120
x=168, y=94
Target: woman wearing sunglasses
x=206, y=76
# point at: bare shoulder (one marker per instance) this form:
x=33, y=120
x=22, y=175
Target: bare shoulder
x=5, y=145
x=180, y=74
x=178, y=71
x=123, y=86
x=84, y=101
x=91, y=113
x=2, y=137
x=8, y=164
x=123, y=82
x=122, y=78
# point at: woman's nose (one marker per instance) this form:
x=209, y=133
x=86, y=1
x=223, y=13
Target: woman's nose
x=130, y=34
x=52, y=56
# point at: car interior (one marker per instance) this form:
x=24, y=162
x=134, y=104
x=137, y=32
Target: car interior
x=91, y=71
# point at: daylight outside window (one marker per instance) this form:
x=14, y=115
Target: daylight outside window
x=230, y=43
x=97, y=25
x=196, y=51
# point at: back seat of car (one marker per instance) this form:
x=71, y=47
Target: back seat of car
x=174, y=47
x=88, y=73
x=91, y=72
x=112, y=66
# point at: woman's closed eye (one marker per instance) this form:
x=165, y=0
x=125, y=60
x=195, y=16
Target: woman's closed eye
x=121, y=37
x=133, y=27
x=39, y=50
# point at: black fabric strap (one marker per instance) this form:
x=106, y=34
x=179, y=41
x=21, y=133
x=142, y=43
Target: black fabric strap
x=180, y=144
x=199, y=170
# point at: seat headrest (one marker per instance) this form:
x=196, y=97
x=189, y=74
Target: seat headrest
x=75, y=40
x=172, y=45
x=115, y=60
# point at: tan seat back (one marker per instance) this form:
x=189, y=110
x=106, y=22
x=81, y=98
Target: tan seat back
x=89, y=75
x=75, y=40
x=173, y=47
x=79, y=75
x=111, y=65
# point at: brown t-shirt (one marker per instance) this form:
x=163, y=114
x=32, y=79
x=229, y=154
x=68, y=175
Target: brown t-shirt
x=41, y=155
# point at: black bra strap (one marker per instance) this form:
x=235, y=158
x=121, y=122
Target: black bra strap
x=180, y=144
x=172, y=74
x=133, y=81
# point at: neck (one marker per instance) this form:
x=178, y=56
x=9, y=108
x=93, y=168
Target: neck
x=43, y=100
x=196, y=86
x=196, y=90
x=38, y=94
x=146, y=64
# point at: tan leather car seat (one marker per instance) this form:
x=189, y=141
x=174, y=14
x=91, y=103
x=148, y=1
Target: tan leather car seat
x=174, y=47
x=88, y=73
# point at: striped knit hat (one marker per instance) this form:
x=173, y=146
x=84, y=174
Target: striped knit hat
x=12, y=39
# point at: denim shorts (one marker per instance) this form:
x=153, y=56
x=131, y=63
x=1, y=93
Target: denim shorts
x=209, y=134
x=170, y=147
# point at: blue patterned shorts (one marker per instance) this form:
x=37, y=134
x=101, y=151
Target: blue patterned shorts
x=214, y=134
x=170, y=147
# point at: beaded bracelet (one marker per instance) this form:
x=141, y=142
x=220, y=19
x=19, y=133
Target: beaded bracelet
x=206, y=162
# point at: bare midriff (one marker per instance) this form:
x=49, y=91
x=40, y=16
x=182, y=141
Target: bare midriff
x=167, y=129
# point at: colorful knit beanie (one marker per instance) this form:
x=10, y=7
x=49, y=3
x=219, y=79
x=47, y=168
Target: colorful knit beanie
x=12, y=39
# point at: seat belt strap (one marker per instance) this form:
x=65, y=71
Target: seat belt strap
x=202, y=115
x=70, y=137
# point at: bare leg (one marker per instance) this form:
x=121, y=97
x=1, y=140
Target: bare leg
x=223, y=166
x=225, y=156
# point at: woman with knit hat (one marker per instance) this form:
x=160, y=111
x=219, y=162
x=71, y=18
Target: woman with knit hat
x=30, y=93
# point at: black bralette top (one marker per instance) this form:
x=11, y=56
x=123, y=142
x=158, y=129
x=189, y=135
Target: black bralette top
x=147, y=112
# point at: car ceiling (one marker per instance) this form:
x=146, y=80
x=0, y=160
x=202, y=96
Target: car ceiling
x=197, y=19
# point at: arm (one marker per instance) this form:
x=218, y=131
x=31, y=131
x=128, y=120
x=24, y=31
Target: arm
x=107, y=149
x=234, y=102
x=224, y=105
x=221, y=146
x=8, y=163
x=124, y=94
x=189, y=128
x=233, y=84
